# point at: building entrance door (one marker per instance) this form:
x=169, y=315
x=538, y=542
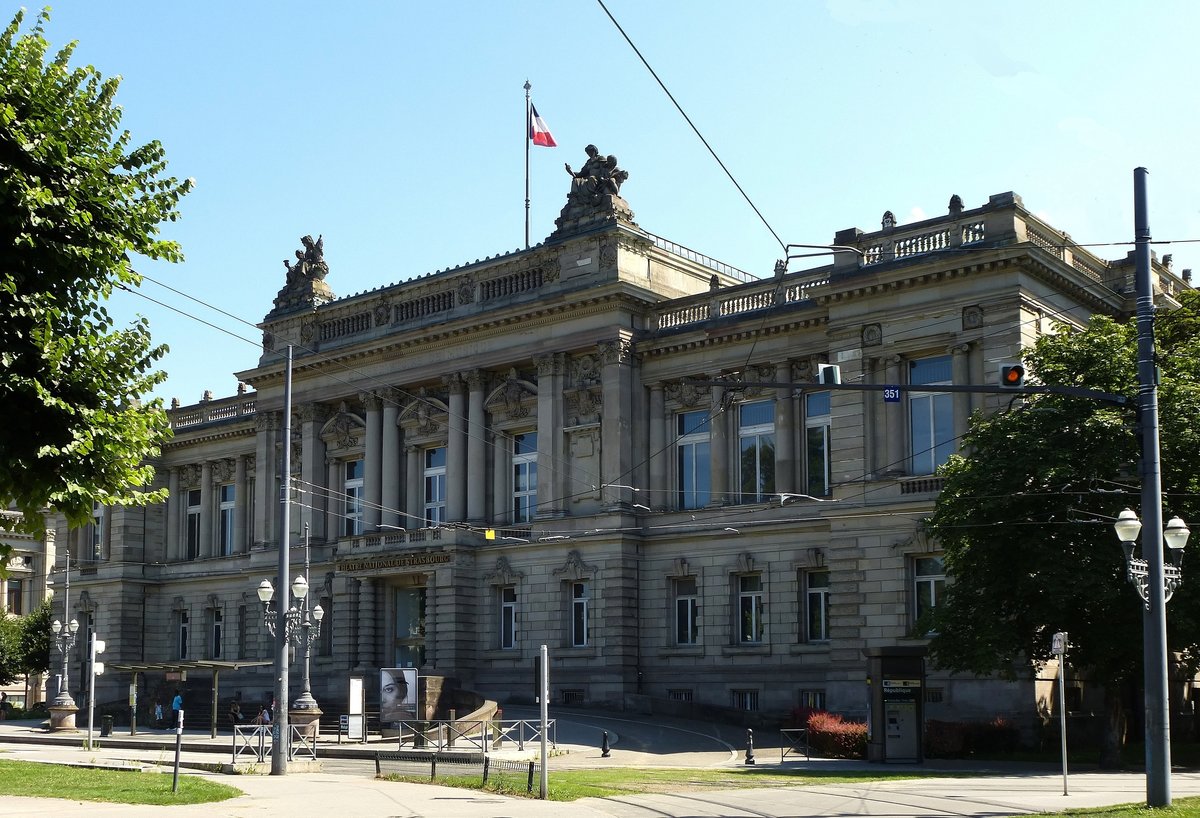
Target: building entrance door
x=409, y=627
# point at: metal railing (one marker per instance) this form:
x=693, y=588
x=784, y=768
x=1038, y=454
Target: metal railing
x=481, y=736
x=256, y=740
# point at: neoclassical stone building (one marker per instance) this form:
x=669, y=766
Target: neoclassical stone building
x=609, y=444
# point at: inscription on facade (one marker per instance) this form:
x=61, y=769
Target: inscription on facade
x=393, y=561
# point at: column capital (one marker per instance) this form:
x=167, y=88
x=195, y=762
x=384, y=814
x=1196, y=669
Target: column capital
x=454, y=383
x=371, y=401
x=477, y=379
x=313, y=412
x=618, y=351
x=552, y=364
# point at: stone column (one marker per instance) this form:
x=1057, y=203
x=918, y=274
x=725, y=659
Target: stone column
x=208, y=548
x=893, y=418
x=456, y=450
x=960, y=371
x=334, y=503
x=476, y=448
x=241, y=503
x=415, y=505
x=501, y=479
x=660, y=456
x=312, y=470
x=173, y=551
x=391, y=459
x=719, y=450
x=616, y=450
x=266, y=480
x=785, y=431
x=551, y=478
x=372, y=461
x=369, y=614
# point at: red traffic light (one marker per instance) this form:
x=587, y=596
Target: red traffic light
x=1012, y=375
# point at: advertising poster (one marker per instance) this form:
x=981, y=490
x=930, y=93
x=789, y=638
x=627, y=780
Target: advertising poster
x=397, y=694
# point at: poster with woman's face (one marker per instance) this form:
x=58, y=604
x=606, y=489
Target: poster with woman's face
x=397, y=694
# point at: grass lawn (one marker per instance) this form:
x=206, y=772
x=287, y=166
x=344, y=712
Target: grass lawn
x=1180, y=808
x=568, y=785
x=39, y=780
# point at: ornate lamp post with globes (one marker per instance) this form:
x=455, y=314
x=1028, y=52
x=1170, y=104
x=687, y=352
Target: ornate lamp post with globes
x=63, y=710
x=302, y=626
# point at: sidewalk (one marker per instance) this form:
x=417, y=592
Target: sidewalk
x=347, y=788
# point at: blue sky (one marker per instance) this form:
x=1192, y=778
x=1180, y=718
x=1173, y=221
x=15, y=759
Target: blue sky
x=396, y=129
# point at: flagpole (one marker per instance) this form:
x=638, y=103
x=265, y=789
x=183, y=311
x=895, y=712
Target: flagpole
x=527, y=134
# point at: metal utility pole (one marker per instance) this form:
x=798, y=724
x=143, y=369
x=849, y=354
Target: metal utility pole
x=281, y=741
x=1154, y=629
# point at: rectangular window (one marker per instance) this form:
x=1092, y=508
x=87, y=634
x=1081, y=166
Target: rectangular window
x=183, y=634
x=744, y=699
x=929, y=583
x=193, y=524
x=325, y=637
x=97, y=531
x=756, y=445
x=579, y=614
x=227, y=495
x=524, y=477
x=218, y=634
x=931, y=415
x=679, y=694
x=687, y=611
x=508, y=617
x=693, y=460
x=816, y=606
x=812, y=699
x=352, y=487
x=241, y=632
x=435, y=486
x=15, y=604
x=750, y=609
x=816, y=443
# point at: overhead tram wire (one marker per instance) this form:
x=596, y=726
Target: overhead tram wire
x=320, y=358
x=688, y=119
x=716, y=411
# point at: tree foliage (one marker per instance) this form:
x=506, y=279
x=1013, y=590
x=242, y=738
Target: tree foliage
x=25, y=644
x=1025, y=520
x=76, y=201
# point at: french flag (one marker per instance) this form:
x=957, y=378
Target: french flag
x=538, y=132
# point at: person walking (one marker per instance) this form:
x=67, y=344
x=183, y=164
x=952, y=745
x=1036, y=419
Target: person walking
x=176, y=706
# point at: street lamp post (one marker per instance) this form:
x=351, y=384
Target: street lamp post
x=301, y=625
x=1155, y=581
x=63, y=710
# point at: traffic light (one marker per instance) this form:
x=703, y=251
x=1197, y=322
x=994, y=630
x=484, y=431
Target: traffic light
x=829, y=374
x=1012, y=376
x=97, y=648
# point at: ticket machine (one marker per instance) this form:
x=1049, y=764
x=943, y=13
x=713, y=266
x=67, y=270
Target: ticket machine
x=896, y=677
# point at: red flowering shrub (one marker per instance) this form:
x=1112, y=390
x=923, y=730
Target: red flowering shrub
x=831, y=736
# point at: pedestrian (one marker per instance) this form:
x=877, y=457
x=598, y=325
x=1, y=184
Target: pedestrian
x=176, y=706
x=158, y=714
x=4, y=705
x=235, y=712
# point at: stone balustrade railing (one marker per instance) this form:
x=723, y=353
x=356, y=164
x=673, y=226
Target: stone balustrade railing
x=216, y=411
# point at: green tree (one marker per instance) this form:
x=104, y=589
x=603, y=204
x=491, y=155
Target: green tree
x=1025, y=520
x=76, y=201
x=24, y=644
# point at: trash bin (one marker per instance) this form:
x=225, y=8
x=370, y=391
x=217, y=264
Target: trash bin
x=106, y=725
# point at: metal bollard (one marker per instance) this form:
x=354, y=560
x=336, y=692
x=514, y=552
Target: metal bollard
x=604, y=744
x=749, y=747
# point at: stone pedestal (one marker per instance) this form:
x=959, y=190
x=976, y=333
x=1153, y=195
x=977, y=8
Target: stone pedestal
x=62, y=717
x=308, y=721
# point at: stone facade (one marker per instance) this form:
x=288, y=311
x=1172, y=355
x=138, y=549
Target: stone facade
x=708, y=524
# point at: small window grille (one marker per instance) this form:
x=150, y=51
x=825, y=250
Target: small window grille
x=745, y=699
x=572, y=696
x=683, y=694
x=935, y=695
